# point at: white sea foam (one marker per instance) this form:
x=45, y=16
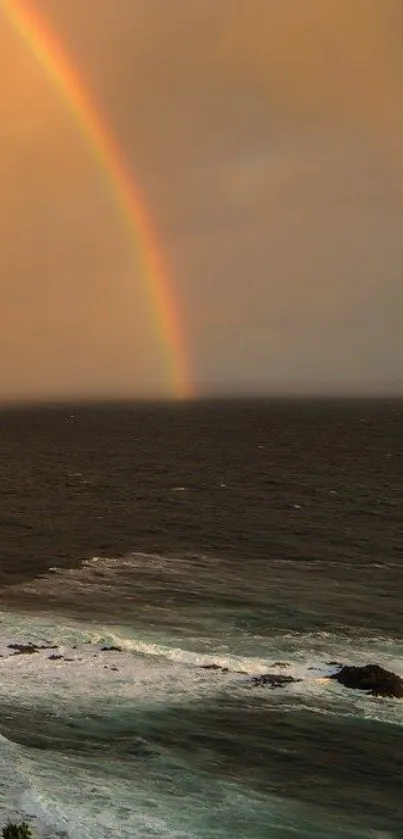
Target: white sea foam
x=158, y=668
x=149, y=670
x=78, y=795
x=82, y=803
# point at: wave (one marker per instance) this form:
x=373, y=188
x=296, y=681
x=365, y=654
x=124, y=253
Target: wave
x=142, y=668
x=80, y=707
x=103, y=804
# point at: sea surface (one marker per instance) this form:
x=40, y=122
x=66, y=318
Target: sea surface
x=202, y=544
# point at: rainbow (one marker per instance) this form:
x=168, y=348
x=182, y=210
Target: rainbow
x=44, y=45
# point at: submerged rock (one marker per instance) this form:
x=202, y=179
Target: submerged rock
x=214, y=667
x=55, y=657
x=273, y=680
x=111, y=649
x=372, y=678
x=23, y=649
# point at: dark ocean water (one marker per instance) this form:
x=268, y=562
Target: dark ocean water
x=257, y=536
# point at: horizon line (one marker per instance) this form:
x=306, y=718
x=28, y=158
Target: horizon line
x=80, y=401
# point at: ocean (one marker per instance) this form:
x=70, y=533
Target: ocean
x=156, y=558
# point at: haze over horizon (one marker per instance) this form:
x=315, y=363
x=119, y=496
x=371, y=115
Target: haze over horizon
x=266, y=138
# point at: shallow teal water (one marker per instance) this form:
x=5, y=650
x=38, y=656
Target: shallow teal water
x=146, y=741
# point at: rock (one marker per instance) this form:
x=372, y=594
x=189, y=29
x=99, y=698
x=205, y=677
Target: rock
x=273, y=680
x=214, y=667
x=334, y=664
x=23, y=649
x=372, y=678
x=111, y=649
x=54, y=657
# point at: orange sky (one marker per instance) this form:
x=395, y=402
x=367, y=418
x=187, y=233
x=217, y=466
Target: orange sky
x=267, y=138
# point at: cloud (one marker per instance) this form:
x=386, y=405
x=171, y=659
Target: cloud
x=333, y=58
x=266, y=138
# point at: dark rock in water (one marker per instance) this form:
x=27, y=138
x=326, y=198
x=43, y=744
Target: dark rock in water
x=114, y=668
x=214, y=667
x=23, y=649
x=273, y=680
x=280, y=664
x=111, y=649
x=372, y=678
x=54, y=657
x=334, y=664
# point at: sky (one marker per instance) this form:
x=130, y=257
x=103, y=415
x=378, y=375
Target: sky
x=267, y=139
